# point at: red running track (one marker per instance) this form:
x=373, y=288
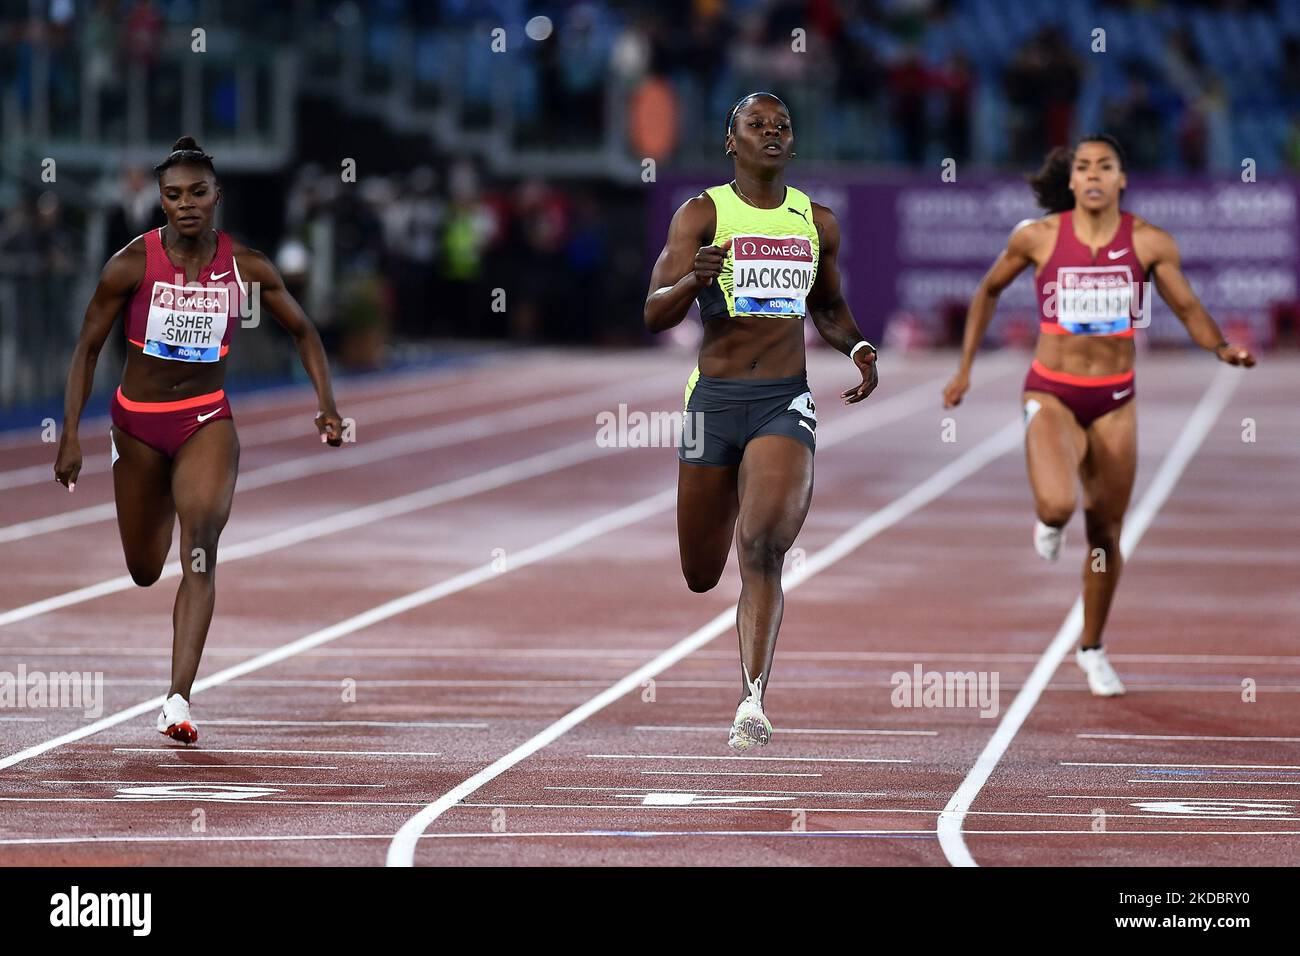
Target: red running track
x=452, y=613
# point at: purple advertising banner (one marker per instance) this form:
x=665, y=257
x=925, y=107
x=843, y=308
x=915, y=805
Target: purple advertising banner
x=914, y=249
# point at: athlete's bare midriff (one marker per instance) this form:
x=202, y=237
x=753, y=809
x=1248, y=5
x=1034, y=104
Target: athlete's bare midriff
x=149, y=379
x=757, y=347
x=1086, y=355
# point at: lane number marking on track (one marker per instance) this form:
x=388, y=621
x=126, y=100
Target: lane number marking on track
x=194, y=792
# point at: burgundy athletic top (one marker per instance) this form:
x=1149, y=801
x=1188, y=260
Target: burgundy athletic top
x=1083, y=294
x=185, y=323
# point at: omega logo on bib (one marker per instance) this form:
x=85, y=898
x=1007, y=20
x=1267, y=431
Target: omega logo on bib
x=186, y=323
x=771, y=275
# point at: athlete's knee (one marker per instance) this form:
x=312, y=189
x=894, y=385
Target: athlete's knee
x=1056, y=510
x=144, y=573
x=699, y=582
x=203, y=533
x=1103, y=530
x=763, y=552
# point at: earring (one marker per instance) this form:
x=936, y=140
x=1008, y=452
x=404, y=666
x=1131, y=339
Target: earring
x=731, y=152
x=793, y=154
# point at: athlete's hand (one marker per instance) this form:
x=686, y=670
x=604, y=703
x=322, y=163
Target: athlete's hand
x=330, y=426
x=956, y=389
x=1235, y=355
x=709, y=260
x=67, y=466
x=865, y=360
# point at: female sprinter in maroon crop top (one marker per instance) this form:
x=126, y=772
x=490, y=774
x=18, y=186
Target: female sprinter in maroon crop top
x=1090, y=260
x=174, y=449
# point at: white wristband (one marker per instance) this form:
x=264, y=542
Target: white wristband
x=854, y=350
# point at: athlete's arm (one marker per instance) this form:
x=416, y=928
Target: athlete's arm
x=685, y=266
x=271, y=295
x=122, y=273
x=1013, y=260
x=1165, y=267
x=829, y=310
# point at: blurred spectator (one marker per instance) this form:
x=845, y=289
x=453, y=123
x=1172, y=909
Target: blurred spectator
x=463, y=302
x=412, y=223
x=1042, y=86
x=138, y=209
x=908, y=83
x=1137, y=123
x=957, y=80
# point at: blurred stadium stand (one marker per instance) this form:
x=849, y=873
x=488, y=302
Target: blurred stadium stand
x=524, y=169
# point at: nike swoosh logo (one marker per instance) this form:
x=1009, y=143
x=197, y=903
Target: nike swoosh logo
x=1115, y=254
x=1122, y=394
x=204, y=418
x=220, y=275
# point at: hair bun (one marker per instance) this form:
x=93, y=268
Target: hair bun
x=186, y=142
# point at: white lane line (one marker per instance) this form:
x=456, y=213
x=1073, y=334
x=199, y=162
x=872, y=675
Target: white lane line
x=199, y=798
x=885, y=413
x=782, y=808
x=210, y=783
x=361, y=454
x=797, y=730
x=34, y=720
x=315, y=837
x=748, y=759
x=242, y=766
x=1216, y=783
x=723, y=773
x=1209, y=766
x=1189, y=440
x=239, y=721
x=167, y=751
x=300, y=427
x=1231, y=801
x=1278, y=740
x=402, y=850
x=636, y=791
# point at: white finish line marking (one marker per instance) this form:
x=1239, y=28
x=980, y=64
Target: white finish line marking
x=799, y=730
x=748, y=759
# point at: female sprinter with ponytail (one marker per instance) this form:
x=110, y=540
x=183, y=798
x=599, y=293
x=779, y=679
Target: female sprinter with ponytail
x=173, y=447
x=1090, y=259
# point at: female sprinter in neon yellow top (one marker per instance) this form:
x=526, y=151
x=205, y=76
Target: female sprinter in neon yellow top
x=758, y=256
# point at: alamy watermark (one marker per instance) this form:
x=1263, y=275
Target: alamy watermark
x=38, y=690
x=658, y=429
x=922, y=688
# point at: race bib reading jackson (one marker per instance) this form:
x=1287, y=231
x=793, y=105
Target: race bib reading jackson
x=186, y=323
x=771, y=275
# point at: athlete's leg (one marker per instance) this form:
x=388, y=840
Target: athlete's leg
x=1107, y=473
x=203, y=484
x=776, y=478
x=145, y=511
x=706, y=519
x=1054, y=447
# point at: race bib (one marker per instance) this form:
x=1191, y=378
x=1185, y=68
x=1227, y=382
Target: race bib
x=1094, y=300
x=186, y=323
x=771, y=275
